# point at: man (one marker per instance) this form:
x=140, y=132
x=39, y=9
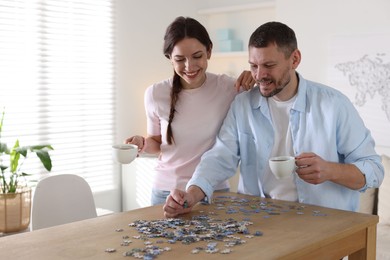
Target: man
x=287, y=115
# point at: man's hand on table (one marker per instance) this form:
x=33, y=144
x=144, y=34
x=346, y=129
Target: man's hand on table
x=181, y=202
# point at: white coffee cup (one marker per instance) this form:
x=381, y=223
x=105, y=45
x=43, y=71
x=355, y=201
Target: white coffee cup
x=124, y=153
x=282, y=166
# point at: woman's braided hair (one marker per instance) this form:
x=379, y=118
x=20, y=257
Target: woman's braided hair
x=179, y=29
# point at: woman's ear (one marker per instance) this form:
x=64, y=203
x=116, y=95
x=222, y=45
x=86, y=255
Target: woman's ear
x=209, y=52
x=170, y=60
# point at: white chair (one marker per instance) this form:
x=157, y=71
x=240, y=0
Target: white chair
x=61, y=199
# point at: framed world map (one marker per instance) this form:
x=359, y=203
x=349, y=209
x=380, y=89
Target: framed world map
x=359, y=66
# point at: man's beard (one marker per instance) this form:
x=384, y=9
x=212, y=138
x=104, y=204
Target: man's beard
x=274, y=92
x=283, y=83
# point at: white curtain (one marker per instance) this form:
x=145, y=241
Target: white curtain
x=57, y=83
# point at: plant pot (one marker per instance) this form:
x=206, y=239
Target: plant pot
x=15, y=210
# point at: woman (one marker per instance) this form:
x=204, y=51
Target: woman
x=184, y=113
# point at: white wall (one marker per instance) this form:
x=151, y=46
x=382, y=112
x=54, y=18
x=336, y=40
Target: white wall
x=315, y=22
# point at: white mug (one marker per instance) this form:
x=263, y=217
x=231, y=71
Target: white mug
x=282, y=166
x=124, y=153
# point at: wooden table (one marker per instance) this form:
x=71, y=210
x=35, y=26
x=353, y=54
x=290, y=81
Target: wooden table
x=289, y=231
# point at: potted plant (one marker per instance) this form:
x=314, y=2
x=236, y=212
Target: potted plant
x=15, y=194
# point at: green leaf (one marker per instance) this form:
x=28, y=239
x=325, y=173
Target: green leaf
x=1, y=121
x=14, y=157
x=33, y=148
x=22, y=149
x=3, y=148
x=45, y=158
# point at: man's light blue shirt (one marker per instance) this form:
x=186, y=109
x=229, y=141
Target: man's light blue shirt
x=322, y=121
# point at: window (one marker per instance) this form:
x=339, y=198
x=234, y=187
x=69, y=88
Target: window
x=57, y=83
